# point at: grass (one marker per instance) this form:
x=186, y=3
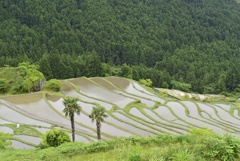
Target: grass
x=157, y=148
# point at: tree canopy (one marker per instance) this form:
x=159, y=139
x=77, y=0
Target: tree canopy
x=194, y=42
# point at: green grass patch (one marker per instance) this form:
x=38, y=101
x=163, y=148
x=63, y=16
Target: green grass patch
x=24, y=130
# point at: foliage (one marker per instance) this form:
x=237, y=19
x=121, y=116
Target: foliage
x=146, y=82
x=192, y=42
x=71, y=107
x=98, y=114
x=225, y=148
x=22, y=79
x=3, y=86
x=5, y=140
x=155, y=148
x=126, y=71
x=54, y=85
x=54, y=138
x=181, y=86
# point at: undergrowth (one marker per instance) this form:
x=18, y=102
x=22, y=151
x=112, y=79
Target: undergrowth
x=197, y=145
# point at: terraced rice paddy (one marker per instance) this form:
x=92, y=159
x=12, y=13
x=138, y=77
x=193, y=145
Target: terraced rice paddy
x=131, y=109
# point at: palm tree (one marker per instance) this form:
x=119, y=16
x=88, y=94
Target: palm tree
x=98, y=114
x=71, y=107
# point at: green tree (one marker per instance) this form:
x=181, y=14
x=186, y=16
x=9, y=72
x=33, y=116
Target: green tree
x=45, y=67
x=71, y=107
x=126, y=71
x=98, y=114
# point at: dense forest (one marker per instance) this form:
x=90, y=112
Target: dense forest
x=193, y=45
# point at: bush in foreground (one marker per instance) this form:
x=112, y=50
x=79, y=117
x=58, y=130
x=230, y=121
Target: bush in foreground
x=54, y=138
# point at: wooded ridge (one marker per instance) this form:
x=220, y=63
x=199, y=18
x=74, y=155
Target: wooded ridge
x=177, y=44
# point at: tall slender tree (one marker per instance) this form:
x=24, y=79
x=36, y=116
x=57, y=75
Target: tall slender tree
x=98, y=114
x=71, y=107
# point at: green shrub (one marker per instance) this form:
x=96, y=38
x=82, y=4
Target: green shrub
x=181, y=86
x=3, y=86
x=222, y=147
x=54, y=85
x=5, y=140
x=146, y=82
x=54, y=137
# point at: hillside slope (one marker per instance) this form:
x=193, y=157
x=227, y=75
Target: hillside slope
x=195, y=42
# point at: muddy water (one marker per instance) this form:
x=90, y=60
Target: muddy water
x=16, y=117
x=30, y=139
x=134, y=111
x=43, y=111
x=20, y=145
x=58, y=105
x=23, y=98
x=6, y=129
x=66, y=87
x=89, y=88
x=126, y=119
x=126, y=126
x=180, y=111
x=120, y=83
x=102, y=82
x=73, y=93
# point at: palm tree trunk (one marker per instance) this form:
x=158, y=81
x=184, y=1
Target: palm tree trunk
x=98, y=130
x=73, y=128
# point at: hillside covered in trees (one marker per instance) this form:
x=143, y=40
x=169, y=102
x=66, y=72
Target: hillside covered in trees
x=185, y=44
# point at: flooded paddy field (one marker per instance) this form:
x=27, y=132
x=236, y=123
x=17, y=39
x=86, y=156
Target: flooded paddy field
x=180, y=111
x=87, y=87
x=135, y=123
x=30, y=139
x=131, y=110
x=236, y=114
x=126, y=126
x=20, y=145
